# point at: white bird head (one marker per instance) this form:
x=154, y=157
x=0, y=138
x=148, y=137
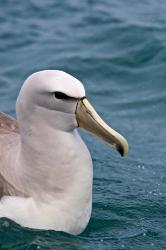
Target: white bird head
x=58, y=100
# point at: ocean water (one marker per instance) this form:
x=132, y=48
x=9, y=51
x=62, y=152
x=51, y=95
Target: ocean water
x=118, y=50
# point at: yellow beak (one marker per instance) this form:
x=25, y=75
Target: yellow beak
x=88, y=119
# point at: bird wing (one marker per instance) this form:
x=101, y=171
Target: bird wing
x=8, y=124
x=9, y=130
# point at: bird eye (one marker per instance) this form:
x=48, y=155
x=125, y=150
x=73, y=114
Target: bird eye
x=60, y=95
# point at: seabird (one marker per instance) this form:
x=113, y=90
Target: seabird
x=46, y=169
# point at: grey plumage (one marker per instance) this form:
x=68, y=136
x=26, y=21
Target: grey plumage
x=9, y=137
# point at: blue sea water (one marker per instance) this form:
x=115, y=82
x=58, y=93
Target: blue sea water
x=118, y=50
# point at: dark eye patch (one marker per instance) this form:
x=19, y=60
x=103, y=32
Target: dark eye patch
x=62, y=96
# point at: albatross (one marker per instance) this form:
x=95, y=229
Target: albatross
x=46, y=170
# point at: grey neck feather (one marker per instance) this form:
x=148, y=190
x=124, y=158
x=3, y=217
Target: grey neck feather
x=51, y=155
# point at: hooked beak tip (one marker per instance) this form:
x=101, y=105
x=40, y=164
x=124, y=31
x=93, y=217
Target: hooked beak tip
x=88, y=119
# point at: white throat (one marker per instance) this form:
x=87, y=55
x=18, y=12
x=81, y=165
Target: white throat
x=56, y=169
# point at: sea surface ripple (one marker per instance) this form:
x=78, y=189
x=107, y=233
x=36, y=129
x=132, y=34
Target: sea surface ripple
x=118, y=50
